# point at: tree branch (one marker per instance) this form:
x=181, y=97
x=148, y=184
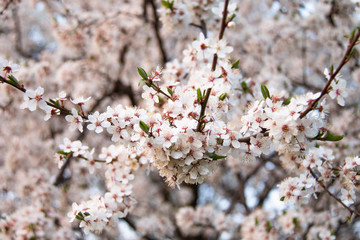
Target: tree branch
x=201, y=122
x=156, y=26
x=332, y=195
x=352, y=43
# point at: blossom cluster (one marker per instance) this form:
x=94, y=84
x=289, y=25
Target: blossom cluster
x=197, y=111
x=99, y=211
x=180, y=14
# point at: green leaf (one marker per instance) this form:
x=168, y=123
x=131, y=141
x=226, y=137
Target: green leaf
x=235, y=64
x=287, y=101
x=268, y=226
x=231, y=17
x=265, y=91
x=245, y=87
x=352, y=35
x=331, y=137
x=86, y=214
x=256, y=221
x=54, y=102
x=351, y=54
x=295, y=222
x=144, y=127
x=170, y=91
x=79, y=216
x=142, y=73
x=223, y=96
x=199, y=95
x=168, y=4
x=331, y=69
x=31, y=227
x=282, y=198
x=214, y=156
x=63, y=153
x=13, y=79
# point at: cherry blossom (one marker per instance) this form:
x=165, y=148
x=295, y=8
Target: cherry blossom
x=75, y=120
x=32, y=99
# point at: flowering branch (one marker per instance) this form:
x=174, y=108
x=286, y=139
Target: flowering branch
x=332, y=195
x=213, y=68
x=21, y=88
x=353, y=40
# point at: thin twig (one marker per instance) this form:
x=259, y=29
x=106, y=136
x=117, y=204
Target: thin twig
x=204, y=102
x=21, y=88
x=334, y=74
x=156, y=26
x=352, y=211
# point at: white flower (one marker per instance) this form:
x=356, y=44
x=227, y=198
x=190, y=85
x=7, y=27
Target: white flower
x=75, y=210
x=202, y=46
x=260, y=145
x=62, y=96
x=155, y=74
x=290, y=190
x=33, y=98
x=347, y=197
x=75, y=120
x=338, y=91
x=118, y=130
x=8, y=67
x=50, y=111
x=80, y=100
x=218, y=10
x=98, y=121
x=221, y=49
x=352, y=162
x=110, y=153
x=66, y=147
x=78, y=149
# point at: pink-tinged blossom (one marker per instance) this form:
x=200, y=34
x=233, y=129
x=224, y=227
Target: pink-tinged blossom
x=352, y=163
x=62, y=96
x=290, y=190
x=260, y=145
x=150, y=94
x=219, y=9
x=50, y=111
x=98, y=122
x=118, y=130
x=109, y=153
x=202, y=46
x=90, y=162
x=78, y=149
x=76, y=209
x=221, y=48
x=75, y=120
x=7, y=67
x=338, y=91
x=66, y=147
x=155, y=74
x=337, y=88
x=348, y=196
x=80, y=100
x=32, y=99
